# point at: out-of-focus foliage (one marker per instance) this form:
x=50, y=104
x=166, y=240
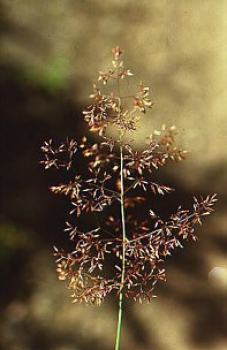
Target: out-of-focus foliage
x=52, y=77
x=11, y=239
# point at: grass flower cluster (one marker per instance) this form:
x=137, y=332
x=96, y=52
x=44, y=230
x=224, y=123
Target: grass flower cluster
x=122, y=252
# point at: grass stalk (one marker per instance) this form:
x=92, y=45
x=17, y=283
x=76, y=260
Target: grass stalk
x=124, y=236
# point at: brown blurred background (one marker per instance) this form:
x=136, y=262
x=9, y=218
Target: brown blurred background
x=51, y=52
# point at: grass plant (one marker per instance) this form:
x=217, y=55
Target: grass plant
x=119, y=242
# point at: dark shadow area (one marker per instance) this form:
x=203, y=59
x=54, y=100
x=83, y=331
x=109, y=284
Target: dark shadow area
x=210, y=323
x=24, y=199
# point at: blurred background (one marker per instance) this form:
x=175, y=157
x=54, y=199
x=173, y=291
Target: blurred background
x=51, y=52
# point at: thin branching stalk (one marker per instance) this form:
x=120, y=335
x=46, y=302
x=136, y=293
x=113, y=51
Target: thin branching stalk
x=124, y=237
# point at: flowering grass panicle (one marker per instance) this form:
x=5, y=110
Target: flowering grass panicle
x=123, y=253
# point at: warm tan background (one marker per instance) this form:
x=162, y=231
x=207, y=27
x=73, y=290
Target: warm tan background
x=50, y=54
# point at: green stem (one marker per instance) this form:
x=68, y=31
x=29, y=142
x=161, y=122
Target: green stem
x=124, y=238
